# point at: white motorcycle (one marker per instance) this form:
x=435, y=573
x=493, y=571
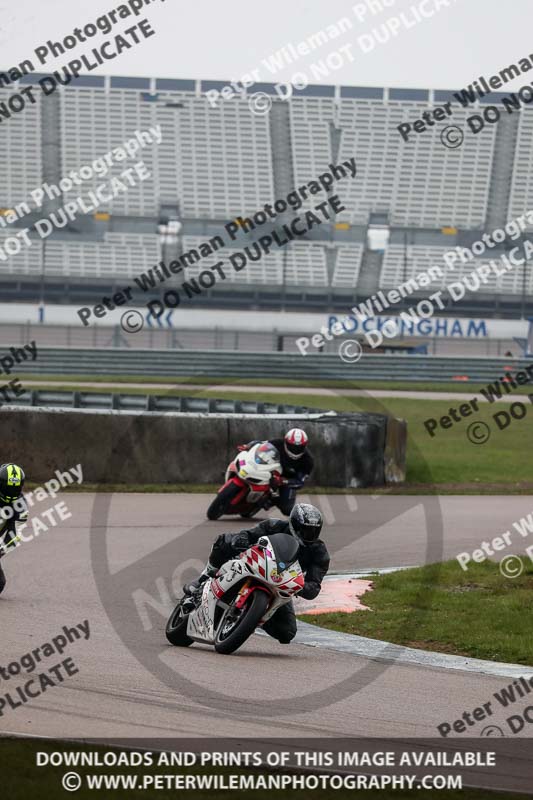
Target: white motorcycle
x=251, y=479
x=244, y=594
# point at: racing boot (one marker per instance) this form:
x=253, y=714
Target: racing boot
x=10, y=541
x=209, y=571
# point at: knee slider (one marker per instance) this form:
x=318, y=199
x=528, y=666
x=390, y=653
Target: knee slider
x=286, y=638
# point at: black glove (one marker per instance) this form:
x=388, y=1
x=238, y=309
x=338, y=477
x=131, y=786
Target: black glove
x=240, y=542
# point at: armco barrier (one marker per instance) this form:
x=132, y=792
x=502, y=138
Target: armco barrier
x=229, y=363
x=119, y=401
x=134, y=447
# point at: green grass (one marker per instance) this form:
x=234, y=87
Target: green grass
x=23, y=780
x=463, y=387
x=212, y=488
x=477, y=613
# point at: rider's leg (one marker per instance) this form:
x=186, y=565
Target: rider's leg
x=282, y=626
x=221, y=552
x=286, y=500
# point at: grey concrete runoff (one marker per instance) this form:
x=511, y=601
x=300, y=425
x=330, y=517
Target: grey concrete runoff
x=364, y=573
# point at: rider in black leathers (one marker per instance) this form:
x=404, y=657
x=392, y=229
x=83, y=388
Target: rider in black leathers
x=305, y=523
x=296, y=465
x=13, y=509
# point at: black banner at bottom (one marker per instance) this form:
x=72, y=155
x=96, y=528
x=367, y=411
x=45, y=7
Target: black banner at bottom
x=320, y=768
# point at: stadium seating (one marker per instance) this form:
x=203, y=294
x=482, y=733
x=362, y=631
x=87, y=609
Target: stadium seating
x=397, y=269
x=311, y=119
x=420, y=183
x=94, y=122
x=348, y=263
x=20, y=165
x=217, y=163
x=304, y=264
x=28, y=262
x=119, y=255
x=522, y=184
x=225, y=159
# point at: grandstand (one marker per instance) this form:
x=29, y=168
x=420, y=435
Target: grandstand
x=215, y=164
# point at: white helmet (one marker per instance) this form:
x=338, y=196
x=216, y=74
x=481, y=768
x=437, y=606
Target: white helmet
x=296, y=440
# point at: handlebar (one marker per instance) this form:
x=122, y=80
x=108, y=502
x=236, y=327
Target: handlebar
x=280, y=481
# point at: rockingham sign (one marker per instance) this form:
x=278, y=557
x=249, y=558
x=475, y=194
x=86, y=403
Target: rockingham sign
x=437, y=327
x=376, y=329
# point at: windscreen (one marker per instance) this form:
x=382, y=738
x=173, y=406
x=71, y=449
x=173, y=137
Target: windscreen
x=285, y=548
x=266, y=454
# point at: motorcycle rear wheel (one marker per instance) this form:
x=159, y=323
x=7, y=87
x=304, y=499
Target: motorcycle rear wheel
x=176, y=630
x=222, y=501
x=229, y=640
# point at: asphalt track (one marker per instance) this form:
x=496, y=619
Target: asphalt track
x=61, y=579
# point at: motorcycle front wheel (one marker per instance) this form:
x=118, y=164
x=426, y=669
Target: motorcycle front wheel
x=238, y=624
x=176, y=630
x=252, y=512
x=221, y=502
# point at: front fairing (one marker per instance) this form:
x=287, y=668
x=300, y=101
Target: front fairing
x=255, y=474
x=256, y=565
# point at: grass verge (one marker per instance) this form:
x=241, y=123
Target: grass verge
x=478, y=613
x=463, y=387
x=399, y=489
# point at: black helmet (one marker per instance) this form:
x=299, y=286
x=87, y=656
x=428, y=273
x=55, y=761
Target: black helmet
x=305, y=522
x=11, y=482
